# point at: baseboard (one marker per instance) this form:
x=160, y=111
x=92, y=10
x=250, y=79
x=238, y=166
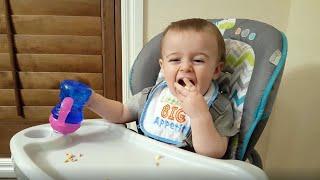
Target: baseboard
x=6, y=168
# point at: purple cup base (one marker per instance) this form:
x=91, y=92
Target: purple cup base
x=64, y=128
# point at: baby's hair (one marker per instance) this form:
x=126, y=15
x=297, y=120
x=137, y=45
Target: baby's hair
x=198, y=25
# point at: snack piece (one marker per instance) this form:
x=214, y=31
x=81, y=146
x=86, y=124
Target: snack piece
x=71, y=158
x=157, y=159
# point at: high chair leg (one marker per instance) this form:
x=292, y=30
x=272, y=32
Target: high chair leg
x=255, y=159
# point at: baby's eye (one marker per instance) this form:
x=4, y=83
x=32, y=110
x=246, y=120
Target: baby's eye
x=198, y=60
x=174, y=60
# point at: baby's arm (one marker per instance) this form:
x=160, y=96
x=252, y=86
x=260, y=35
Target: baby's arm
x=111, y=110
x=205, y=138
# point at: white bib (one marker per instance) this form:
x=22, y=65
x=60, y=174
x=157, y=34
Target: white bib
x=162, y=117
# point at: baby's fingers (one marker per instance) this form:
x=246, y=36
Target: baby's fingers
x=189, y=85
x=180, y=89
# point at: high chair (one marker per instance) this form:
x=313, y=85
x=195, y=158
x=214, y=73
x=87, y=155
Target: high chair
x=255, y=58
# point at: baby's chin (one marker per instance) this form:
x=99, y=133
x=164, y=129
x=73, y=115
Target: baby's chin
x=172, y=90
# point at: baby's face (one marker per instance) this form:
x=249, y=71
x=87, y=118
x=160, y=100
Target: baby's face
x=192, y=55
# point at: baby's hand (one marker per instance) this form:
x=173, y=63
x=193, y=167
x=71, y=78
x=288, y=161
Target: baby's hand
x=193, y=102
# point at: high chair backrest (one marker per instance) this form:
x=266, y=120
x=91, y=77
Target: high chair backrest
x=255, y=59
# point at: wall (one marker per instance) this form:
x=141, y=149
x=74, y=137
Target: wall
x=289, y=143
x=293, y=146
x=158, y=14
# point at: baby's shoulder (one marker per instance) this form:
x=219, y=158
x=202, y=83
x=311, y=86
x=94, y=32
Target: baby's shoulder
x=222, y=104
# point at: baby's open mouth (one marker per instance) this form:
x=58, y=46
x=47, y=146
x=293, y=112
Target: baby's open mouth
x=182, y=83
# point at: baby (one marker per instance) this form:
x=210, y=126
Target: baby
x=186, y=109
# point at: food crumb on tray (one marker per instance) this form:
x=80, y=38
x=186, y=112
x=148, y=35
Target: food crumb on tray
x=72, y=158
x=157, y=159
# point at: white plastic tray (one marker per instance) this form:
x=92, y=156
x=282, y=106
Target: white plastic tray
x=110, y=151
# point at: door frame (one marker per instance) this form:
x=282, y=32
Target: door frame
x=132, y=43
x=132, y=39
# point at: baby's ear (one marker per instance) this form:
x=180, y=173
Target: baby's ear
x=160, y=63
x=218, y=70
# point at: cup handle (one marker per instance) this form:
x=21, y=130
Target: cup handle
x=65, y=108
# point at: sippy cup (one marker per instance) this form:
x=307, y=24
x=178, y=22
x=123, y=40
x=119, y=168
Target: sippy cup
x=67, y=115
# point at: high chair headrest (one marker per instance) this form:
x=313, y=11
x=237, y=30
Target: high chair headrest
x=146, y=68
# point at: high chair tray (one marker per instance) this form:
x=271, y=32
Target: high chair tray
x=102, y=150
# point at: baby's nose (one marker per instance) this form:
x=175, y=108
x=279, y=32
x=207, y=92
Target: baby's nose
x=186, y=66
